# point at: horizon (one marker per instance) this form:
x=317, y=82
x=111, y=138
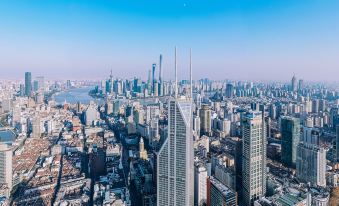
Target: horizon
x=261, y=41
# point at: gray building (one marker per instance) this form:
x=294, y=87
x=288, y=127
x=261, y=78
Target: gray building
x=290, y=137
x=205, y=120
x=311, y=164
x=28, y=83
x=6, y=171
x=311, y=159
x=254, y=157
x=218, y=194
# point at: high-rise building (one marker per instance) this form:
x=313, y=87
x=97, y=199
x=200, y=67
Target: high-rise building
x=315, y=105
x=175, y=160
x=142, y=151
x=111, y=83
x=6, y=171
x=68, y=84
x=294, y=85
x=156, y=89
x=35, y=85
x=200, y=186
x=254, y=157
x=205, y=120
x=153, y=77
x=311, y=164
x=290, y=136
x=91, y=114
x=28, y=84
x=22, y=90
x=229, y=90
x=196, y=125
x=219, y=194
x=36, y=127
x=311, y=159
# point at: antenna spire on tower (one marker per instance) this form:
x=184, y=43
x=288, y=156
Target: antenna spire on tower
x=175, y=73
x=191, y=80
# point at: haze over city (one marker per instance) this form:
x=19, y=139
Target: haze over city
x=248, y=40
x=169, y=103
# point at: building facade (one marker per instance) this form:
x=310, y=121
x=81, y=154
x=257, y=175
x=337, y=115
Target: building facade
x=254, y=157
x=290, y=136
x=175, y=183
x=6, y=170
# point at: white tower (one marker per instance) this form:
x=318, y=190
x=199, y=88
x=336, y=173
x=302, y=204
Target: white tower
x=175, y=161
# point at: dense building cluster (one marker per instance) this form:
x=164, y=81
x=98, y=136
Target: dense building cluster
x=160, y=142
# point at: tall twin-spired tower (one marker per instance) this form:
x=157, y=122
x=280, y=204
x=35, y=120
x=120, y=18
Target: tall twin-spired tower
x=175, y=183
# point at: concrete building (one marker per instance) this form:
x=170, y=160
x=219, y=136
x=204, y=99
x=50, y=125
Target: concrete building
x=229, y=90
x=175, y=159
x=200, y=184
x=254, y=157
x=36, y=127
x=311, y=159
x=290, y=136
x=294, y=85
x=6, y=169
x=142, y=151
x=311, y=164
x=219, y=194
x=28, y=84
x=91, y=114
x=205, y=120
x=175, y=184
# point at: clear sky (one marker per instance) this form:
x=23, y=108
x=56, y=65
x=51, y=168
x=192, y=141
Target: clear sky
x=230, y=39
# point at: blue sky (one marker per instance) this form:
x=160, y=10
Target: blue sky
x=230, y=39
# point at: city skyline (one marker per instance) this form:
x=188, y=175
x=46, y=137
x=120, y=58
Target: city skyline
x=99, y=103
x=266, y=40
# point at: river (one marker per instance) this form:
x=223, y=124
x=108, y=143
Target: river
x=73, y=96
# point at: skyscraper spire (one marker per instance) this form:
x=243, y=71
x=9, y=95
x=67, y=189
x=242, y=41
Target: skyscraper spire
x=175, y=73
x=111, y=77
x=191, y=81
x=153, y=78
x=160, y=69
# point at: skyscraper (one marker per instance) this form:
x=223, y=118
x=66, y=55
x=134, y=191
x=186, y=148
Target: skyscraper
x=28, y=84
x=205, y=119
x=311, y=159
x=142, y=151
x=36, y=127
x=153, y=77
x=6, y=171
x=290, y=136
x=254, y=157
x=200, y=180
x=294, y=84
x=229, y=90
x=175, y=183
x=219, y=194
x=111, y=85
x=311, y=164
